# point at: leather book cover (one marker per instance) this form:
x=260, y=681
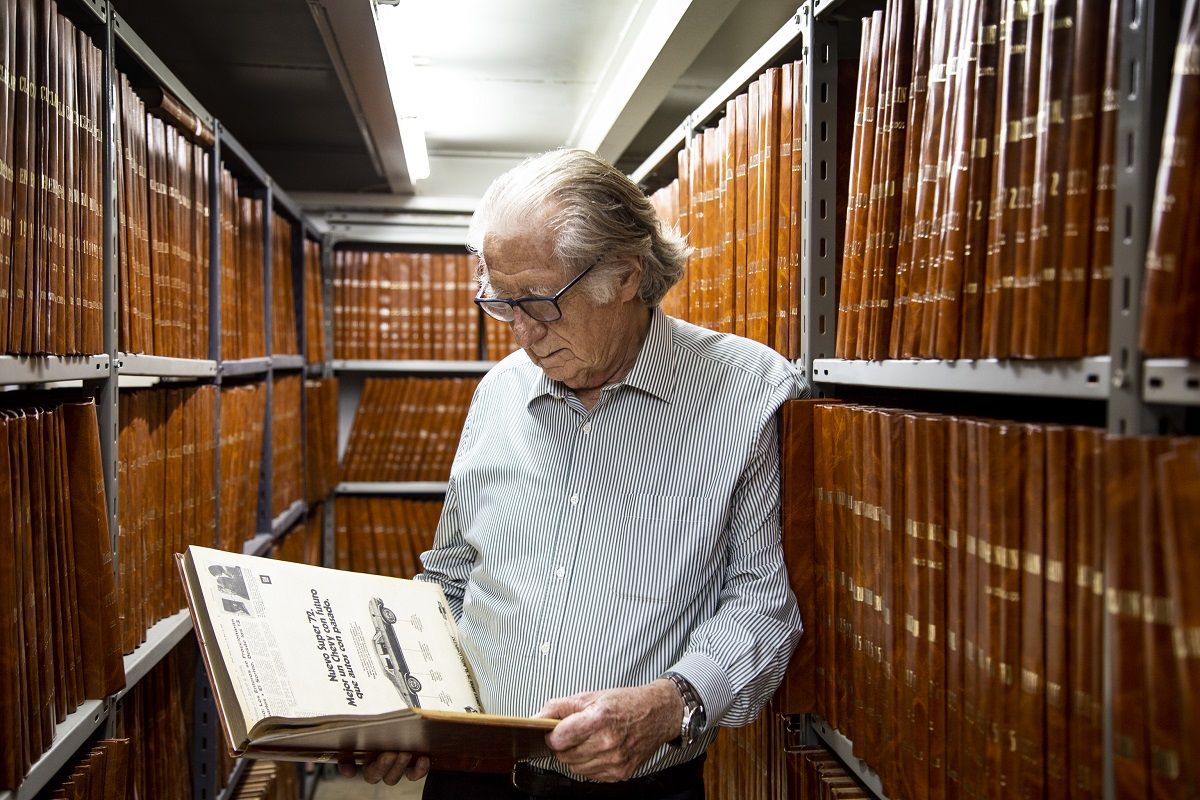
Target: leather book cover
x=890, y=584
x=754, y=187
x=856, y=700
x=768, y=216
x=59, y=630
x=8, y=29
x=911, y=172
x=1006, y=603
x=1124, y=461
x=1038, y=294
x=424, y=295
x=795, y=242
x=887, y=185
x=710, y=264
x=956, y=586
x=72, y=655
x=925, y=267
x=1006, y=184
x=870, y=267
x=1100, y=276
x=1031, y=711
x=1078, y=182
x=1177, y=482
x=943, y=311
x=116, y=768
x=834, y=431
x=728, y=205
x=41, y=642
x=739, y=202
x=933, y=513
x=822, y=623
x=30, y=686
x=859, y=281
x=913, y=679
x=871, y=602
x=12, y=655
x=975, y=579
x=1059, y=463
x=979, y=182
x=697, y=297
x=1165, y=310
x=1164, y=699
x=24, y=236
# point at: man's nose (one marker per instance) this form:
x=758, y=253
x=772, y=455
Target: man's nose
x=526, y=330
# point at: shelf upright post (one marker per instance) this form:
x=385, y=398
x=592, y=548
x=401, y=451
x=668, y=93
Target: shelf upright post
x=327, y=242
x=108, y=413
x=206, y=734
x=1147, y=47
x=818, y=199
x=265, y=494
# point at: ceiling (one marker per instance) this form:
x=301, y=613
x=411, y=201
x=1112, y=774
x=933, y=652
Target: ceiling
x=498, y=80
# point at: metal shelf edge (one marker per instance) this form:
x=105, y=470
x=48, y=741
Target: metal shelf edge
x=69, y=736
x=245, y=366
x=260, y=545
x=281, y=523
x=165, y=366
x=45, y=369
x=1171, y=380
x=423, y=366
x=341, y=233
x=160, y=640
x=411, y=487
x=287, y=362
x=845, y=751
x=1086, y=378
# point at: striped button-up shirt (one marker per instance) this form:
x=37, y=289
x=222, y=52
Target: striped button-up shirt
x=585, y=550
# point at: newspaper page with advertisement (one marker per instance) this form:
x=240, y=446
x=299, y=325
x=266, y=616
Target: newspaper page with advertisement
x=303, y=657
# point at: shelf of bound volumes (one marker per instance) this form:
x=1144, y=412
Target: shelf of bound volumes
x=1085, y=379
x=391, y=488
x=1172, y=380
x=70, y=735
x=16, y=370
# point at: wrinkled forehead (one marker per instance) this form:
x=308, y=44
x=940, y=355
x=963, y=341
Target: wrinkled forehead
x=524, y=258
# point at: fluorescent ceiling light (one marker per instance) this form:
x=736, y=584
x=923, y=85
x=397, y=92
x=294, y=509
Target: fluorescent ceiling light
x=393, y=32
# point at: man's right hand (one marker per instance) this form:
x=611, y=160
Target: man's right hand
x=389, y=768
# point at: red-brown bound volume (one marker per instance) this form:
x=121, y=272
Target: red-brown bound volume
x=891, y=586
x=824, y=621
x=956, y=587
x=740, y=201
x=1059, y=461
x=870, y=520
x=859, y=285
x=12, y=655
x=794, y=238
x=781, y=287
x=1166, y=314
x=104, y=669
x=861, y=151
x=1178, y=492
x=1100, y=277
x=1031, y=709
x=917, y=94
x=913, y=697
x=1127, y=513
x=1168, y=750
x=1023, y=271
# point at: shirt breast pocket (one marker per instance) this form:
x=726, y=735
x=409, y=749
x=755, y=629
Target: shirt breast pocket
x=670, y=546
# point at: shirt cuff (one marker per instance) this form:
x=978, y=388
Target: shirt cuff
x=710, y=682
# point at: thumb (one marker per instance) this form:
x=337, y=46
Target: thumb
x=563, y=707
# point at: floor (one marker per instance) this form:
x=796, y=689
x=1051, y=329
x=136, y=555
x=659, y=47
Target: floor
x=335, y=787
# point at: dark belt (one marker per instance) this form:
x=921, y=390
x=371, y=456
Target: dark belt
x=546, y=783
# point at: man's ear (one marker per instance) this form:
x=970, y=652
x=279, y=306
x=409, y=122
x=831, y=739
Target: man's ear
x=627, y=289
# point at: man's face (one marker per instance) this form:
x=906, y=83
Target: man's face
x=592, y=340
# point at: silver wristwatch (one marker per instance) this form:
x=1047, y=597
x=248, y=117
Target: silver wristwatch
x=693, y=710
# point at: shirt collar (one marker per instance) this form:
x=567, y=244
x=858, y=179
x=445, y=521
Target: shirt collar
x=653, y=371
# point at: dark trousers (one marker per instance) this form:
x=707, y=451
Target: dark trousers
x=684, y=782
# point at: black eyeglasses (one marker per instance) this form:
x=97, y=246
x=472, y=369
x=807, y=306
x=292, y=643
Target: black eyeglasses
x=542, y=309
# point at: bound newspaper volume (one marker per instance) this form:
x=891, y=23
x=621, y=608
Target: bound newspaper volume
x=314, y=664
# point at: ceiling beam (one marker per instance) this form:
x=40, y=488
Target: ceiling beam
x=348, y=31
x=661, y=40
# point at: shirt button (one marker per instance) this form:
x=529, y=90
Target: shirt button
x=560, y=572
x=574, y=499
x=587, y=427
x=545, y=648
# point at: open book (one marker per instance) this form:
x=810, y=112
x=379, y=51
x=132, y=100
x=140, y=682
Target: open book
x=310, y=664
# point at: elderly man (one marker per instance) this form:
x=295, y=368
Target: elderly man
x=610, y=539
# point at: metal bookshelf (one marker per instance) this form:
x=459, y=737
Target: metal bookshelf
x=1086, y=378
x=293, y=514
x=392, y=488
x=160, y=640
x=165, y=367
x=414, y=367
x=245, y=366
x=70, y=735
x=1171, y=380
x=288, y=362
x=47, y=369
x=844, y=748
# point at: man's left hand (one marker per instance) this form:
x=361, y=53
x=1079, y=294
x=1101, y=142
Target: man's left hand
x=607, y=735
